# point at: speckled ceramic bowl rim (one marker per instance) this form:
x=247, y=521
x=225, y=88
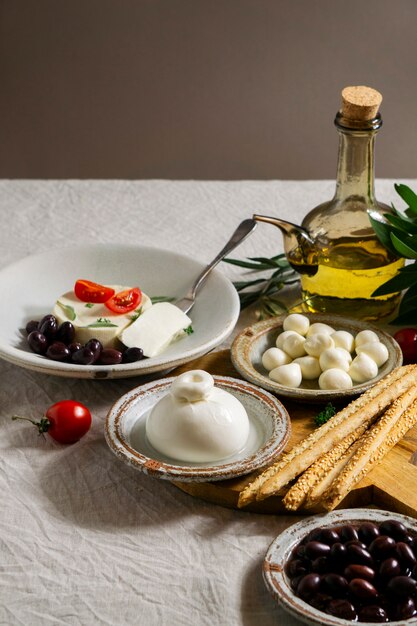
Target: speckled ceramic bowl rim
x=241, y=348
x=281, y=430
x=280, y=549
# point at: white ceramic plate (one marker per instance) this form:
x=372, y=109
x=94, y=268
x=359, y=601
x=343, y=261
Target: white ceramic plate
x=270, y=428
x=249, y=346
x=280, y=550
x=33, y=284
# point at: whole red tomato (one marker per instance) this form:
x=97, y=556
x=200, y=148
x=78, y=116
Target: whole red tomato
x=66, y=421
x=407, y=339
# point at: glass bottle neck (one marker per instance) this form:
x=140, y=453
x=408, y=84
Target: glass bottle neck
x=355, y=168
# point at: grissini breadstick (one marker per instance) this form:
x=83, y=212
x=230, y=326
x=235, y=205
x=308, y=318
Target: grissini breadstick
x=346, y=422
x=315, y=495
x=380, y=394
x=319, y=470
x=383, y=436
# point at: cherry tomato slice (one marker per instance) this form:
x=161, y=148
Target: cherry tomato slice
x=125, y=301
x=87, y=291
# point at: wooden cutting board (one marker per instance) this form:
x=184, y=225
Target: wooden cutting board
x=392, y=485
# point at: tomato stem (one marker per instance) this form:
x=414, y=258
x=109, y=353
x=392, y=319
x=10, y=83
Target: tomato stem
x=43, y=425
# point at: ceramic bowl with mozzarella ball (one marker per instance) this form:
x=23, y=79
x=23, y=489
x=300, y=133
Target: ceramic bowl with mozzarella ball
x=325, y=363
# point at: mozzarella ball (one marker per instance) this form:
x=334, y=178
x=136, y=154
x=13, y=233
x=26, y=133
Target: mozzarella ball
x=363, y=368
x=335, y=379
x=289, y=375
x=310, y=367
x=316, y=344
x=335, y=357
x=377, y=351
x=343, y=339
x=282, y=337
x=294, y=345
x=299, y=323
x=366, y=336
x=319, y=328
x=274, y=357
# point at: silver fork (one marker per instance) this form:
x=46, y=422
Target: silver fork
x=242, y=231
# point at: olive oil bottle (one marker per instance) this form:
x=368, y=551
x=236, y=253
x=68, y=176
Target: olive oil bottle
x=347, y=262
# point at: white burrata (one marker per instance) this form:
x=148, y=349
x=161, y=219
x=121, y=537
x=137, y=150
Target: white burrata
x=96, y=321
x=197, y=422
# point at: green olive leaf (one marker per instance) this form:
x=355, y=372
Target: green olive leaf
x=68, y=310
x=382, y=230
x=408, y=195
x=404, y=245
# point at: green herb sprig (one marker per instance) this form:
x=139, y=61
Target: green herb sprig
x=264, y=289
x=324, y=415
x=399, y=234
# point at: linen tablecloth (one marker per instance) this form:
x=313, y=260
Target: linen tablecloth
x=86, y=539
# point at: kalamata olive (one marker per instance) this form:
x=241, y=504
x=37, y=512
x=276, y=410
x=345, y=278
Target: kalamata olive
x=329, y=536
x=359, y=556
x=73, y=347
x=58, y=351
x=109, y=356
x=131, y=355
x=367, y=532
x=359, y=571
x=341, y=608
x=413, y=545
x=373, y=613
x=390, y=568
x=382, y=547
x=37, y=342
x=405, y=554
x=363, y=589
x=66, y=333
x=393, y=529
x=308, y=586
x=402, y=586
x=348, y=533
x=48, y=326
x=355, y=543
x=405, y=609
x=338, y=555
x=314, y=549
x=321, y=565
x=297, y=567
x=84, y=356
x=294, y=582
x=96, y=348
x=313, y=535
x=31, y=326
x=300, y=551
x=320, y=601
x=336, y=585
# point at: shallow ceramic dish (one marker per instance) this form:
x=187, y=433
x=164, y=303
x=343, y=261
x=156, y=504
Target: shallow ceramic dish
x=280, y=550
x=251, y=343
x=270, y=428
x=33, y=284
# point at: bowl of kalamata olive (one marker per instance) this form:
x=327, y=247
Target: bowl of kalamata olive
x=352, y=565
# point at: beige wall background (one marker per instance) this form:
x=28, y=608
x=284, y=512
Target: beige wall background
x=205, y=89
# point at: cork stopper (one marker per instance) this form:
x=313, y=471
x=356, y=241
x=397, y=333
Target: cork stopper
x=360, y=103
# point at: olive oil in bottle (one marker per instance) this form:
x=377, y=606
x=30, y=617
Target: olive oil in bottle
x=347, y=261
